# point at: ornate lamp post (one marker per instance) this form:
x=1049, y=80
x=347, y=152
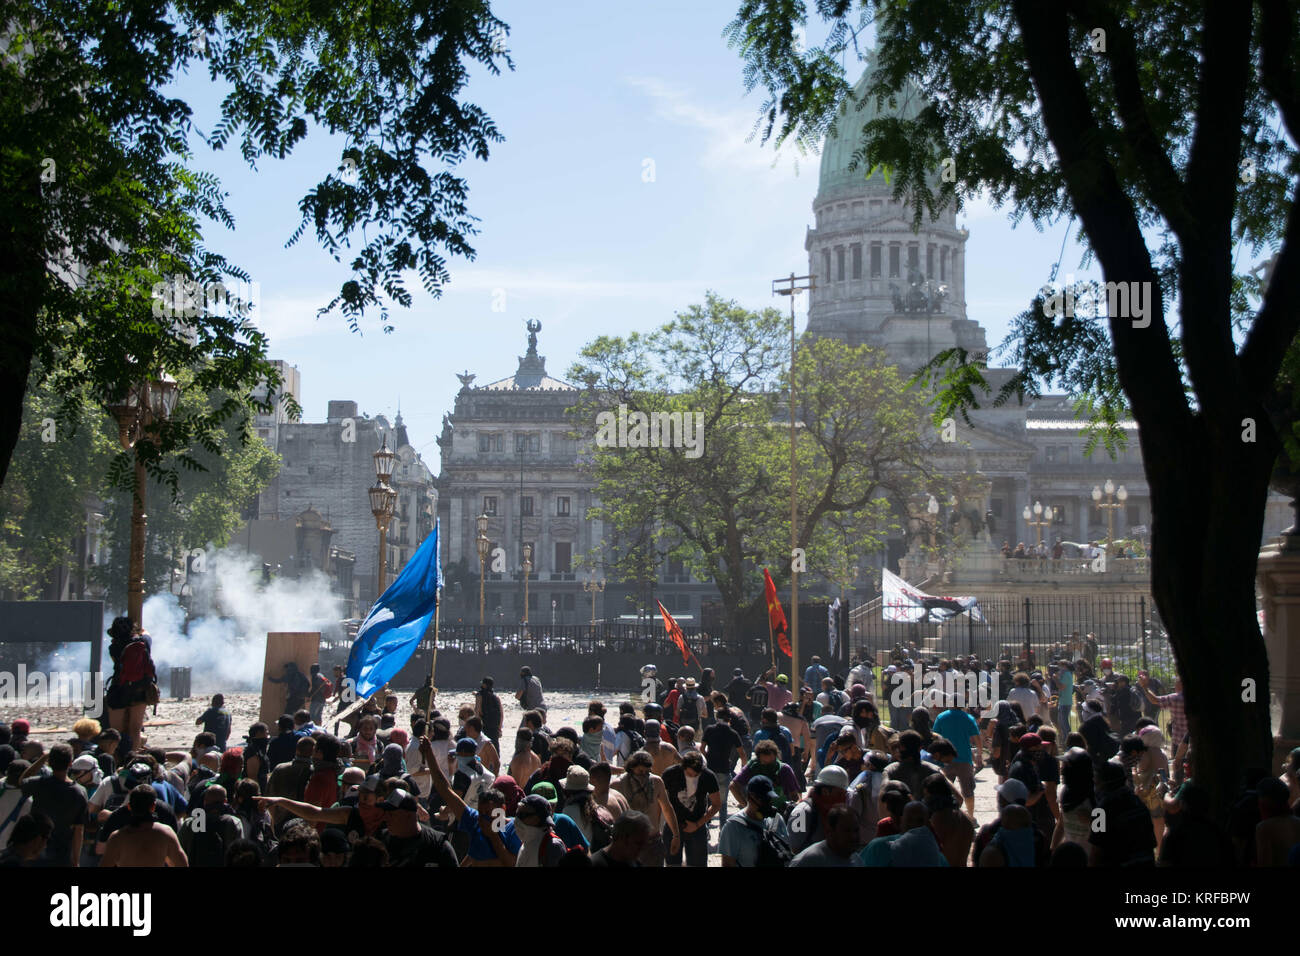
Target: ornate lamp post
x=483, y=545
x=1043, y=516
x=144, y=404
x=1110, y=505
x=528, y=569
x=595, y=586
x=383, y=500
x=932, y=509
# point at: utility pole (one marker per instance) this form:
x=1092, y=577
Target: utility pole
x=791, y=287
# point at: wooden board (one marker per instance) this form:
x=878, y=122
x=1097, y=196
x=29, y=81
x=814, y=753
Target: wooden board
x=301, y=647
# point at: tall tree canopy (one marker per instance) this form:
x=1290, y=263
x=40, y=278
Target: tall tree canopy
x=865, y=450
x=1167, y=131
x=104, y=212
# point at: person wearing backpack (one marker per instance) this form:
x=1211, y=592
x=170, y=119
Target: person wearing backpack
x=133, y=685
x=691, y=709
x=757, y=835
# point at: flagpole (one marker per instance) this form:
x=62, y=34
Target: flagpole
x=433, y=669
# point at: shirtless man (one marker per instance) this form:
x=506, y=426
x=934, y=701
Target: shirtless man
x=645, y=791
x=664, y=755
x=525, y=762
x=144, y=841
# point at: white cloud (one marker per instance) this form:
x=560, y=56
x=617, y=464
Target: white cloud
x=727, y=141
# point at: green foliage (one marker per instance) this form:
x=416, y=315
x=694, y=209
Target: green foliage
x=206, y=508
x=101, y=203
x=1130, y=174
x=864, y=450
x=55, y=478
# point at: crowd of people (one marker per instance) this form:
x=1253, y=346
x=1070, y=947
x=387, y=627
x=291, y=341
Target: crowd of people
x=835, y=770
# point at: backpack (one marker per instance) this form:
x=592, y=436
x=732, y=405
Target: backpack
x=773, y=850
x=635, y=740
x=602, y=833
x=835, y=700
x=135, y=664
x=688, y=712
x=208, y=845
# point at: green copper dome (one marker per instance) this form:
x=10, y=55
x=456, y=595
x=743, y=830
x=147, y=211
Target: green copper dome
x=838, y=150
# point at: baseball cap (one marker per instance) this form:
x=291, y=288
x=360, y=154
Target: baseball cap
x=535, y=805
x=1030, y=740
x=399, y=799
x=1013, y=791
x=334, y=840
x=546, y=790
x=466, y=747
x=760, y=788
x=83, y=763
x=833, y=776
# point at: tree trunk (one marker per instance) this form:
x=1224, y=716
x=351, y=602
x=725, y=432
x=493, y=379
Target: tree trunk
x=1203, y=558
x=21, y=296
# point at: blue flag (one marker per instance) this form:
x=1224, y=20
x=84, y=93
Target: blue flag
x=398, y=620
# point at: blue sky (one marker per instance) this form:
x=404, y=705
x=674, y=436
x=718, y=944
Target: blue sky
x=571, y=232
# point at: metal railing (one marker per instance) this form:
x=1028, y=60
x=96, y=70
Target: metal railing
x=1128, y=630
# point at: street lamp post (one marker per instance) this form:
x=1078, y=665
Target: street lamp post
x=1043, y=516
x=1110, y=504
x=383, y=500
x=791, y=288
x=528, y=569
x=145, y=403
x=483, y=545
x=595, y=587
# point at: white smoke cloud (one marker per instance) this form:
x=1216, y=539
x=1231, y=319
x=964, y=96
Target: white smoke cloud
x=231, y=612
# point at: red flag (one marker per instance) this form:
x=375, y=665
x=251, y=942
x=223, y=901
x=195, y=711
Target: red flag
x=776, y=616
x=675, y=633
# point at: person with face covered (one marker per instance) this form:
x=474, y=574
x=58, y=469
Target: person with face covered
x=143, y=841
x=866, y=725
x=471, y=776
x=555, y=769
x=360, y=820
x=532, y=835
x=482, y=823
x=646, y=793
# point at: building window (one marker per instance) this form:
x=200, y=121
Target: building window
x=1049, y=454
x=491, y=443
x=1134, y=516
x=566, y=602
x=562, y=506
x=528, y=443
x=839, y=263
x=913, y=257
x=943, y=263
x=894, y=255
x=875, y=260
x=1063, y=454
x=563, y=557
x=877, y=207
x=490, y=505
x=929, y=261
x=526, y=506
x=826, y=264
x=857, y=260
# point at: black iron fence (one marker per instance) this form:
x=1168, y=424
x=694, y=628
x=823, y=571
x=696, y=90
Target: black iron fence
x=1128, y=631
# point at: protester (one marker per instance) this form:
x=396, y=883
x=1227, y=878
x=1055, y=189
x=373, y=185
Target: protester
x=840, y=846
x=721, y=746
x=645, y=792
x=695, y=798
x=757, y=835
x=143, y=841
